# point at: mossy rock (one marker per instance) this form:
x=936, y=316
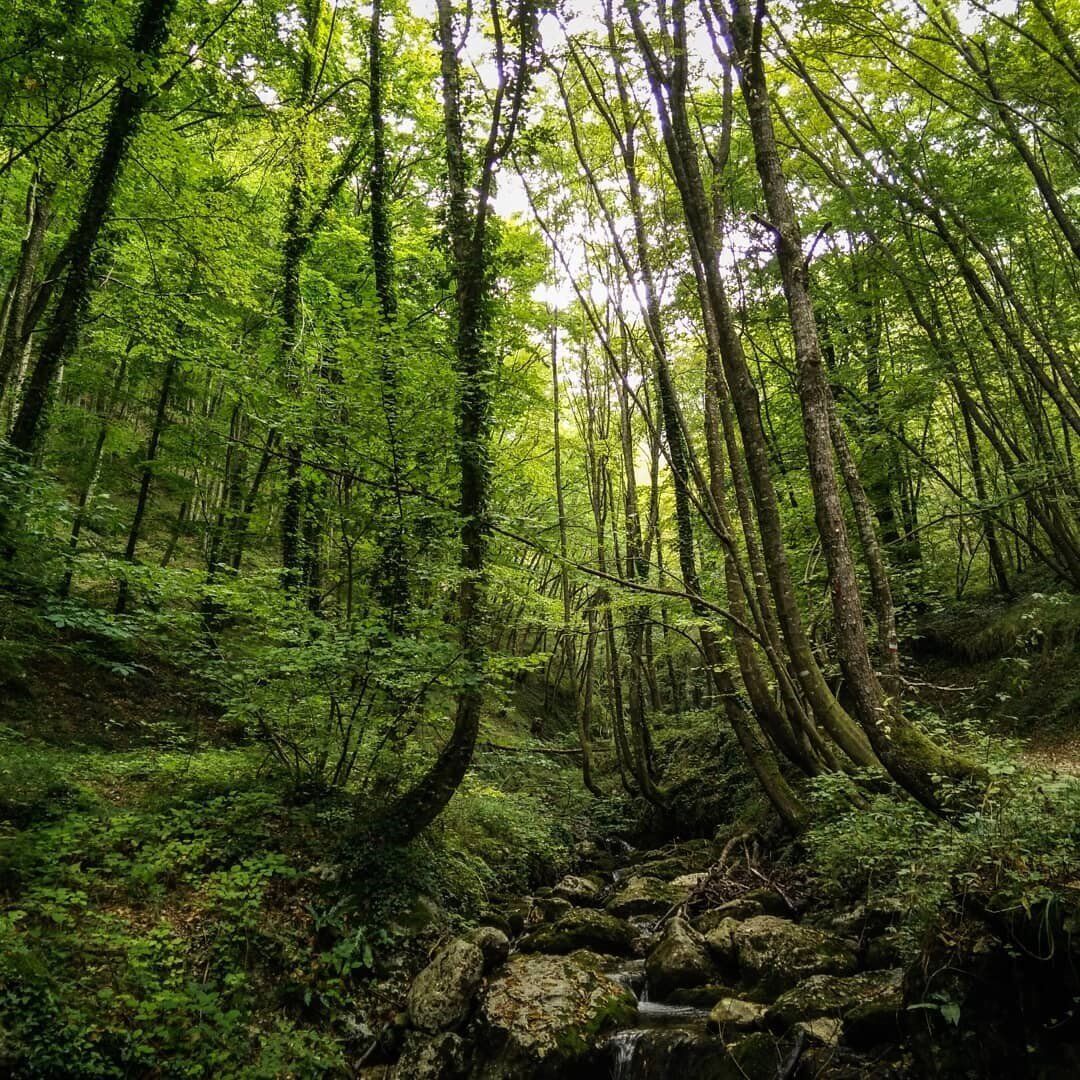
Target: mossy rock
x=645, y=896
x=542, y=1015
x=583, y=928
x=689, y=857
x=869, y=1004
x=441, y=996
x=681, y=959
x=664, y=1053
x=739, y=909
x=778, y=954
x=731, y=1014
x=584, y=891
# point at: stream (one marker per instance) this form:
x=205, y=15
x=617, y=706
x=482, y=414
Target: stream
x=629, y=1046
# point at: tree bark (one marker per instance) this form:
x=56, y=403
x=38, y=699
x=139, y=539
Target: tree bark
x=147, y=42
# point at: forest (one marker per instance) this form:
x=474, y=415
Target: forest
x=540, y=539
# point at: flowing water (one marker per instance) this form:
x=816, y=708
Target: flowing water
x=626, y=1047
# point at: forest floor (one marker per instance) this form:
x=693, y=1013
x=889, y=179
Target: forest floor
x=172, y=909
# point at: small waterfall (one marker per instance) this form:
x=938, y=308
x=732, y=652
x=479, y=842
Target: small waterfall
x=623, y=1045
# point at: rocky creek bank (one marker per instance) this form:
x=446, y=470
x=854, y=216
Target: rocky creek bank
x=672, y=964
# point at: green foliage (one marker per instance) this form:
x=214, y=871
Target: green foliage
x=1019, y=850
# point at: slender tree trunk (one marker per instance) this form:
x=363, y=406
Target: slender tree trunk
x=393, y=565
x=468, y=233
x=296, y=239
x=146, y=478
x=147, y=42
x=912, y=759
x=15, y=331
x=669, y=93
x=94, y=469
x=581, y=705
x=993, y=548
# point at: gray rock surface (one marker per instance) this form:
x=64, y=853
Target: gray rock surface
x=442, y=994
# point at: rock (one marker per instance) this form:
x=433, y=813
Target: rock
x=590, y=855
x=820, y=1032
x=583, y=891
x=441, y=995
x=689, y=857
x=869, y=1004
x=699, y=997
x=431, y=1057
x=770, y=902
x=867, y=920
x=540, y=1015
x=690, y=881
x=520, y=912
x=882, y=952
x=663, y=1053
x=646, y=896
x=583, y=928
x=779, y=954
x=721, y=940
x=552, y=908
x=734, y=1014
x=734, y=909
x=681, y=959
x=758, y=1057
x=497, y=920
x=630, y=973
x=492, y=942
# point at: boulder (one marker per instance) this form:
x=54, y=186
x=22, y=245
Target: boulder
x=583, y=891
x=540, y=1015
x=431, y=1057
x=778, y=954
x=770, y=902
x=520, y=912
x=721, y=940
x=441, y=996
x=552, y=908
x=681, y=959
x=883, y=952
x=690, y=881
x=590, y=855
x=663, y=1053
x=741, y=908
x=583, y=928
x=646, y=896
x=869, y=1004
x=689, y=857
x=492, y=942
x=498, y=920
x=422, y=914
x=823, y=1031
x=734, y=1014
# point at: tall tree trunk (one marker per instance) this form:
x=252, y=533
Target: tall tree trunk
x=669, y=93
x=146, y=478
x=295, y=242
x=468, y=233
x=94, y=469
x=581, y=705
x=997, y=561
x=15, y=331
x=392, y=568
x=147, y=42
x=912, y=759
